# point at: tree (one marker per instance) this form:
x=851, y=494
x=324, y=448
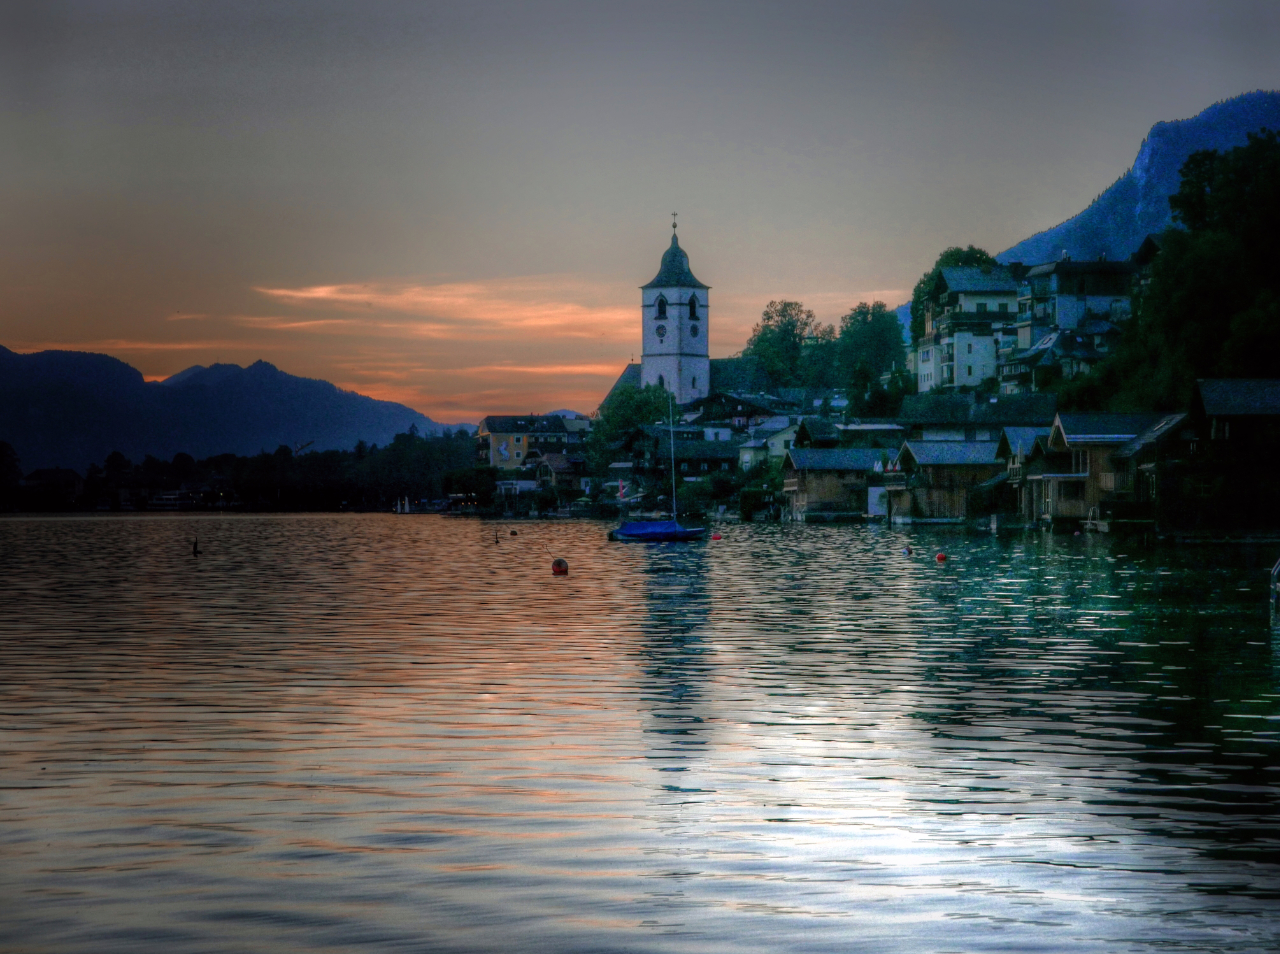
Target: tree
x=1212, y=307
x=778, y=340
x=954, y=257
x=622, y=412
x=870, y=345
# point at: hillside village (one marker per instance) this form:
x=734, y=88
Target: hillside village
x=979, y=434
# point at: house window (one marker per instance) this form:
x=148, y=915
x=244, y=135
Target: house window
x=517, y=455
x=982, y=307
x=684, y=466
x=786, y=445
x=1004, y=306
x=1072, y=490
x=724, y=466
x=694, y=382
x=662, y=307
x=661, y=382
x=693, y=308
x=704, y=467
x=969, y=370
x=970, y=347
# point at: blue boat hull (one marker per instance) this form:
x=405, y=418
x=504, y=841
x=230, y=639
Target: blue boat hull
x=657, y=531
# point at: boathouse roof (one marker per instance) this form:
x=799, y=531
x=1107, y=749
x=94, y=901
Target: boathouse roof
x=949, y=453
x=834, y=458
x=1239, y=397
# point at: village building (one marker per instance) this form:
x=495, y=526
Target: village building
x=1069, y=480
x=1062, y=294
x=932, y=480
x=966, y=316
x=969, y=417
x=831, y=484
x=505, y=441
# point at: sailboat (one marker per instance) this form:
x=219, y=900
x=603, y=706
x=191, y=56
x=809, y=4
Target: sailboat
x=661, y=531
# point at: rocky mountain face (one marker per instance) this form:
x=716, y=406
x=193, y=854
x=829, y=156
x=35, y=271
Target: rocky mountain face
x=1137, y=203
x=72, y=408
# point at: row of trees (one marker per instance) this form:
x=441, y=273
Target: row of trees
x=367, y=477
x=796, y=350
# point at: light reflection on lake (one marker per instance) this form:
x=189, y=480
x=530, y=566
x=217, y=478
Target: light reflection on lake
x=404, y=734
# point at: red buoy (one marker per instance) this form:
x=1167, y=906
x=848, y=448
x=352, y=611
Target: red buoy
x=716, y=536
x=559, y=567
x=941, y=558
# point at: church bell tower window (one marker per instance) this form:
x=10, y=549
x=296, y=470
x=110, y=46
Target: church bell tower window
x=662, y=307
x=693, y=309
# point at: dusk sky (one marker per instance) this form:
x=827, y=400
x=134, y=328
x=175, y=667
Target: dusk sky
x=452, y=205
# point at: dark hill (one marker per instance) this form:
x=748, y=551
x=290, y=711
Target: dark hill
x=1137, y=203
x=71, y=408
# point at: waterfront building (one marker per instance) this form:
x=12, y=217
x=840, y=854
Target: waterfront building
x=827, y=484
x=932, y=480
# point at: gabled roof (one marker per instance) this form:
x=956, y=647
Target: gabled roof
x=951, y=453
x=1239, y=397
x=834, y=458
x=818, y=431
x=974, y=279
x=674, y=272
x=1028, y=410
x=529, y=424
x=1079, y=429
x=1057, y=345
x=1019, y=440
x=1153, y=434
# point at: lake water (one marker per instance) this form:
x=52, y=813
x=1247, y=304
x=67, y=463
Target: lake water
x=331, y=733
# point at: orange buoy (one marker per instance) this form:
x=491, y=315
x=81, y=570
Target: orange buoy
x=716, y=536
x=941, y=558
x=559, y=567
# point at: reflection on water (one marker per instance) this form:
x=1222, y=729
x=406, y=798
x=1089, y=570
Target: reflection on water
x=403, y=733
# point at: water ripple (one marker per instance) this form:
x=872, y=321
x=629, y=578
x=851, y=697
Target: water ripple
x=403, y=734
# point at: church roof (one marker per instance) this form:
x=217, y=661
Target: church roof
x=674, y=272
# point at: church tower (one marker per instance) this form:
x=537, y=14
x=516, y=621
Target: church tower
x=674, y=311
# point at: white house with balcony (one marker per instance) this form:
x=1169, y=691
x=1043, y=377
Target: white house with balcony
x=969, y=313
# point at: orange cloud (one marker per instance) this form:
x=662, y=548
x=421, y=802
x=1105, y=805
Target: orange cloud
x=476, y=311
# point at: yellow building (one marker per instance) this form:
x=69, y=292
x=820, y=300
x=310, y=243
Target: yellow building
x=505, y=442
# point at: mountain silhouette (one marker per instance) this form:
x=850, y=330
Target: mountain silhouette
x=1137, y=203
x=73, y=408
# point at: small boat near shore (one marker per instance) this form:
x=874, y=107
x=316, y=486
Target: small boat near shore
x=657, y=531
x=661, y=531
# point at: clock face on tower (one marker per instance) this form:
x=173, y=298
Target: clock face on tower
x=693, y=330
x=661, y=331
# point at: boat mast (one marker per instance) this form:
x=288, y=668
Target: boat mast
x=671, y=421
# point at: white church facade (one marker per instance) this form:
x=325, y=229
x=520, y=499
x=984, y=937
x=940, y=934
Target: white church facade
x=675, y=315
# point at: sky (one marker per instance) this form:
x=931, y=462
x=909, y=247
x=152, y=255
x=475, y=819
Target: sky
x=452, y=205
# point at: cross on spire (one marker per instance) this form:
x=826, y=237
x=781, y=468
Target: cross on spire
x=673, y=220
